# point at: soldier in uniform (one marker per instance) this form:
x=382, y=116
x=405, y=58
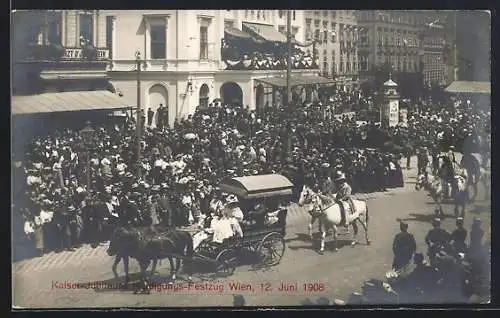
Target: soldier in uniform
x=404, y=246
x=436, y=239
x=458, y=237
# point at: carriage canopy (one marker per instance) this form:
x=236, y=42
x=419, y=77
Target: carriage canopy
x=260, y=186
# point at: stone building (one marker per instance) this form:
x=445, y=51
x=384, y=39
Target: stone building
x=335, y=34
x=182, y=56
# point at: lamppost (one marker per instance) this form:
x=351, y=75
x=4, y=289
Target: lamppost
x=138, y=125
x=87, y=134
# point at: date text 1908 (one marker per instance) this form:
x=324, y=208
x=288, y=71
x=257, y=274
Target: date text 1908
x=289, y=287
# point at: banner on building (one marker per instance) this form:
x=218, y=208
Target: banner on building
x=349, y=115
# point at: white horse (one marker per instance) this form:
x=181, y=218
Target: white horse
x=329, y=215
x=435, y=186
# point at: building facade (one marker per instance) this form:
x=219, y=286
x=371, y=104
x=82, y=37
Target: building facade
x=390, y=37
x=180, y=51
x=58, y=51
x=335, y=34
x=434, y=70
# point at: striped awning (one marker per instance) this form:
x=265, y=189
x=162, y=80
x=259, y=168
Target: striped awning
x=264, y=31
x=66, y=102
x=237, y=33
x=469, y=87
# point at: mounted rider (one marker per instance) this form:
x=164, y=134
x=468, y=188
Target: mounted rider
x=343, y=194
x=449, y=171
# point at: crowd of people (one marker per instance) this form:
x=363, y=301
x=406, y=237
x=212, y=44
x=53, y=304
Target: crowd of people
x=453, y=271
x=237, y=58
x=176, y=182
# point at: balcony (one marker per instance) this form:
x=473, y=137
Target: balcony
x=57, y=53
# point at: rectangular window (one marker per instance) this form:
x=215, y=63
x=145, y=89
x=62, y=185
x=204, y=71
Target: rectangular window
x=86, y=28
x=109, y=35
x=293, y=15
x=281, y=13
x=325, y=36
x=316, y=34
x=203, y=43
x=158, y=41
x=325, y=13
x=316, y=23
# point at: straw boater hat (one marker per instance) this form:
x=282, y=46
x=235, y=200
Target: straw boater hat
x=231, y=199
x=339, y=176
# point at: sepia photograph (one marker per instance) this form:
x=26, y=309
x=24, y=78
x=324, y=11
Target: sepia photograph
x=250, y=158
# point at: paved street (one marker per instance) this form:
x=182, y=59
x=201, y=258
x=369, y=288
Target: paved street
x=339, y=272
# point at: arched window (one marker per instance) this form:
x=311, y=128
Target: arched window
x=204, y=92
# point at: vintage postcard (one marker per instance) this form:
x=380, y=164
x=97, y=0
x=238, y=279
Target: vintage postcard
x=193, y=158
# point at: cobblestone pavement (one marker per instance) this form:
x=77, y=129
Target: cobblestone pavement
x=339, y=272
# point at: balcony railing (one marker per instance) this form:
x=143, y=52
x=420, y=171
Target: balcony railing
x=59, y=53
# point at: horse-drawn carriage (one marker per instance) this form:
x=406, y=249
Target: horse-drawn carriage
x=269, y=194
x=262, y=198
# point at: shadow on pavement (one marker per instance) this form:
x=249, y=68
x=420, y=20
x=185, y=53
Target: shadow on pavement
x=480, y=208
x=314, y=243
x=426, y=218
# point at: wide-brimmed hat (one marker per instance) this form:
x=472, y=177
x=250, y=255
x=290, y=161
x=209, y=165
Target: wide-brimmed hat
x=231, y=199
x=339, y=176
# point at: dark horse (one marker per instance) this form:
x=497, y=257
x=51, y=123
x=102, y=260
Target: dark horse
x=145, y=245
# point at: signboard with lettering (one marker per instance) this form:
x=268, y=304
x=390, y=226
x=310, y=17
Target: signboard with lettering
x=77, y=54
x=393, y=113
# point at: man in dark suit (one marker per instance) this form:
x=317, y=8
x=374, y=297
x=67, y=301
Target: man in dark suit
x=151, y=114
x=164, y=207
x=404, y=246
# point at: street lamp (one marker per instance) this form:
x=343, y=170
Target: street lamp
x=87, y=134
x=138, y=125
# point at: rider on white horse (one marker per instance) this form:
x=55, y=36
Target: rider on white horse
x=343, y=194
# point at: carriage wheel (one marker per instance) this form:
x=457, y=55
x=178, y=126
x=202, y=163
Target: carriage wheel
x=225, y=263
x=271, y=249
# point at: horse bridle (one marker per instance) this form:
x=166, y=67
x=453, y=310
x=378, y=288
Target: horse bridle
x=316, y=204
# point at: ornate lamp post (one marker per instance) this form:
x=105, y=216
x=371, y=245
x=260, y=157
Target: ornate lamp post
x=87, y=134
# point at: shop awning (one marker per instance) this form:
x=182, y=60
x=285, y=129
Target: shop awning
x=469, y=87
x=297, y=81
x=266, y=32
x=66, y=102
x=237, y=33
